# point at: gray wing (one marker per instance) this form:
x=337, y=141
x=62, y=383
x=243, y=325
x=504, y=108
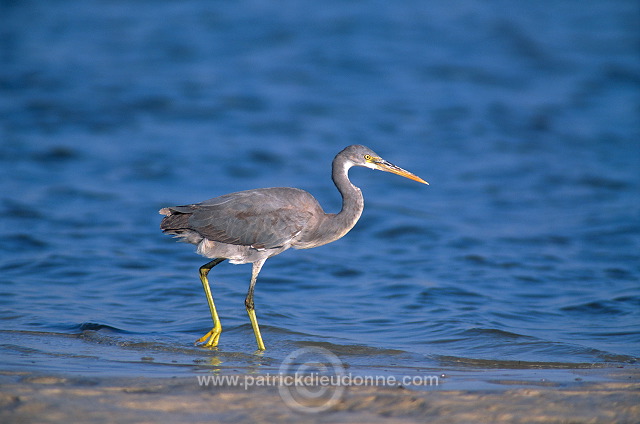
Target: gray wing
x=263, y=219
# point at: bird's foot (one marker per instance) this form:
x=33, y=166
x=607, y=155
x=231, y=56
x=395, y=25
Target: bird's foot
x=211, y=338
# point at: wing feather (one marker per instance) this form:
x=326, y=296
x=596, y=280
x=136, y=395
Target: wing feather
x=263, y=219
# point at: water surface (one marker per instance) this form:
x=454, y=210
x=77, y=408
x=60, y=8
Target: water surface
x=521, y=256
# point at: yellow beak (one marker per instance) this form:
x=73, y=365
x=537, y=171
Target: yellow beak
x=383, y=165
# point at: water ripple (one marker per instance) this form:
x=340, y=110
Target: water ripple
x=522, y=252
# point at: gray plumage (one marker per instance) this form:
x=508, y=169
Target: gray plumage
x=251, y=226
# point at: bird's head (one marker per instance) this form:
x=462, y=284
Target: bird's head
x=360, y=155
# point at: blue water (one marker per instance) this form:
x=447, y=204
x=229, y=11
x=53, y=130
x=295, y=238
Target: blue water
x=523, y=253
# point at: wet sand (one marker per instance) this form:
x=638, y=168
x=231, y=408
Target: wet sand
x=53, y=399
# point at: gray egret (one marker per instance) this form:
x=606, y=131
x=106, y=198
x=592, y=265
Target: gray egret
x=254, y=225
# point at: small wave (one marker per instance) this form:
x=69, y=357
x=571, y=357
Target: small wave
x=455, y=361
x=17, y=209
x=595, y=308
x=353, y=350
x=93, y=326
x=22, y=241
x=55, y=154
x=494, y=332
x=438, y=294
x=405, y=231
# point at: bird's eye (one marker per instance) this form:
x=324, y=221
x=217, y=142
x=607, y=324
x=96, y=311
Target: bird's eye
x=368, y=158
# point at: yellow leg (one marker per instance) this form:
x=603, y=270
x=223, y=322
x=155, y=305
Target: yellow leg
x=248, y=302
x=256, y=329
x=211, y=338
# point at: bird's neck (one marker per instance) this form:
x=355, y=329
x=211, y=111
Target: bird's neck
x=334, y=226
x=331, y=226
x=352, y=199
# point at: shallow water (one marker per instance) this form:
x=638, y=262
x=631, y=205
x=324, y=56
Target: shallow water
x=522, y=253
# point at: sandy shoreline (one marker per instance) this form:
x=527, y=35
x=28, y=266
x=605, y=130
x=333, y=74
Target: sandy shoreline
x=26, y=397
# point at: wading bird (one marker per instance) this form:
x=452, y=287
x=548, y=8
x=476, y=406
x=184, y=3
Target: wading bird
x=254, y=225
